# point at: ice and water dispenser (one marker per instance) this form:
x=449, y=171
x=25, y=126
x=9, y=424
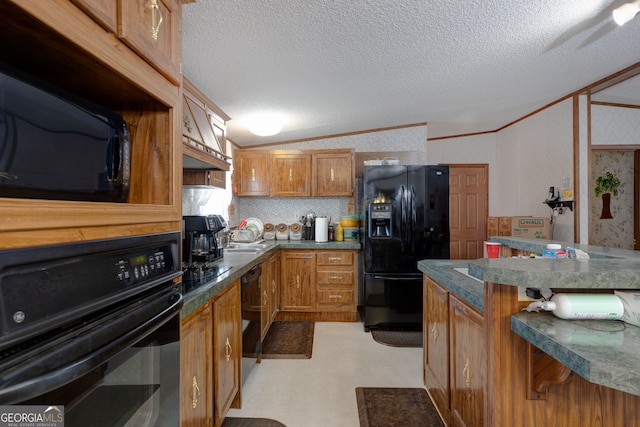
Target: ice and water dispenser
x=380, y=220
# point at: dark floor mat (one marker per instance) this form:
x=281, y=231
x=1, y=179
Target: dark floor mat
x=288, y=340
x=251, y=422
x=390, y=407
x=398, y=338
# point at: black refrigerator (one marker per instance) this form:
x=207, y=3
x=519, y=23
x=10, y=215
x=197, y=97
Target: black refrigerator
x=406, y=220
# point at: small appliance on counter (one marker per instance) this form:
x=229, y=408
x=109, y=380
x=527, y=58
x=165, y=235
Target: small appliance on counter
x=200, y=242
x=200, y=247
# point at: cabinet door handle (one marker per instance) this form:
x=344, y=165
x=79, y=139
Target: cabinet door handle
x=298, y=281
x=265, y=297
x=335, y=296
x=335, y=277
x=156, y=19
x=227, y=350
x=434, y=333
x=273, y=286
x=466, y=373
x=333, y=176
x=334, y=258
x=290, y=174
x=195, y=393
x=253, y=174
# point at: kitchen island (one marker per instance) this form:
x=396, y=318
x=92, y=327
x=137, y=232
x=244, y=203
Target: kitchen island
x=499, y=366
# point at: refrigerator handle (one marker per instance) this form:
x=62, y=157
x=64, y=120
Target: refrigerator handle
x=403, y=217
x=412, y=207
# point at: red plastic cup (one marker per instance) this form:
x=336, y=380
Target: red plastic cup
x=493, y=249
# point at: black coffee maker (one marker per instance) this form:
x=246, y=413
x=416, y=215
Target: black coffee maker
x=200, y=243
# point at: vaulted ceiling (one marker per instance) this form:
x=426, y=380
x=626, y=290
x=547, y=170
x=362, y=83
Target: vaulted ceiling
x=341, y=66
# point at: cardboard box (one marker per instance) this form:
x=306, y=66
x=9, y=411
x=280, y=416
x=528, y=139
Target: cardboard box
x=492, y=226
x=631, y=303
x=504, y=226
x=529, y=226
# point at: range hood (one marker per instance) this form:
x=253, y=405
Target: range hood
x=204, y=131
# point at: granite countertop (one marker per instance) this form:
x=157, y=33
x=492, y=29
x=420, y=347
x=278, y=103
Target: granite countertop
x=586, y=347
x=238, y=263
x=603, y=352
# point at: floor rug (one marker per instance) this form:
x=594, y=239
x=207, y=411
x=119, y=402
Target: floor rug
x=288, y=340
x=398, y=338
x=390, y=407
x=251, y=422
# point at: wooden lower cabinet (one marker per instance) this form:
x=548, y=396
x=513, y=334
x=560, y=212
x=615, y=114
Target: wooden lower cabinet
x=196, y=388
x=298, y=292
x=336, y=279
x=227, y=351
x=270, y=290
x=454, y=357
x=436, y=347
x=318, y=285
x=468, y=365
x=210, y=360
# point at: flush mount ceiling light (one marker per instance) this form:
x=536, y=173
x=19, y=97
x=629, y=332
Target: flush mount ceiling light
x=626, y=12
x=265, y=125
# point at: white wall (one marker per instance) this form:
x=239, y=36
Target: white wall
x=479, y=149
x=614, y=126
x=524, y=160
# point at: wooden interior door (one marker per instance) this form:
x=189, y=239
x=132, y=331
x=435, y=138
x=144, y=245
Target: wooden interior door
x=468, y=210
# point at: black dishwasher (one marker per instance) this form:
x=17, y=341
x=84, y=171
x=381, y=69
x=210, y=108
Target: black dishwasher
x=252, y=315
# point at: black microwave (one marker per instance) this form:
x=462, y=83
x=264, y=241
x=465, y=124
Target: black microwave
x=55, y=145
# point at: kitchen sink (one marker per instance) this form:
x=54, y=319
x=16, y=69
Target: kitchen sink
x=248, y=247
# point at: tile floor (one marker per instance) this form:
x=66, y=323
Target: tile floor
x=320, y=392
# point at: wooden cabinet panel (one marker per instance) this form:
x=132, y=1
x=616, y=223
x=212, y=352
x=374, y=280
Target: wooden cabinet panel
x=298, y=287
x=153, y=29
x=210, y=178
x=468, y=365
x=436, y=344
x=335, y=279
x=291, y=175
x=335, y=300
x=251, y=172
x=196, y=388
x=333, y=174
x=335, y=257
x=103, y=11
x=227, y=349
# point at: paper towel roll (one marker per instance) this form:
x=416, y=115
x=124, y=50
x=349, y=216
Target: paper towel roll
x=322, y=229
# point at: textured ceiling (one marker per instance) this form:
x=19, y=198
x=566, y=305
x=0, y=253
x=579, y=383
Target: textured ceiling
x=339, y=66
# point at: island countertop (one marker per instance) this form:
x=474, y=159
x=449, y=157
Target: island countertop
x=586, y=351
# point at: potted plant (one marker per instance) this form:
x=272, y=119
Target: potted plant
x=606, y=185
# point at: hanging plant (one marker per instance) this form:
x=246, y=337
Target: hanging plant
x=607, y=183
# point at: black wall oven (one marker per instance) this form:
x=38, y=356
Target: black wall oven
x=94, y=327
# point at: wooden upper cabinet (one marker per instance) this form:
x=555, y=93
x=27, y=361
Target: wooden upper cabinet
x=251, y=172
x=294, y=173
x=105, y=12
x=290, y=174
x=153, y=29
x=333, y=173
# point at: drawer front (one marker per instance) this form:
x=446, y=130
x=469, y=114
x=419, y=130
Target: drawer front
x=335, y=258
x=334, y=279
x=332, y=300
